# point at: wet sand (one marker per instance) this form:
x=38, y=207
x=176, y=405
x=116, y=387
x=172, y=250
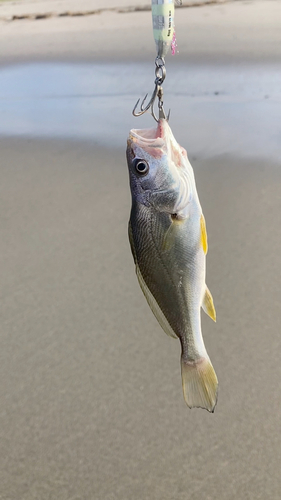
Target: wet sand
x=90, y=386
x=91, y=394
x=237, y=32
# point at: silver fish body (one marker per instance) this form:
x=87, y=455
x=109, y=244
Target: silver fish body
x=169, y=244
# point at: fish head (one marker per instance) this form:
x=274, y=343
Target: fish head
x=160, y=173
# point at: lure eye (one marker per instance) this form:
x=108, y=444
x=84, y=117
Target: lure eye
x=141, y=166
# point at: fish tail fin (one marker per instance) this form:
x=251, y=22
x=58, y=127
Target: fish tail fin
x=199, y=383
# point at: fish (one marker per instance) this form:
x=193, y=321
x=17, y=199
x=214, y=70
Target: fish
x=168, y=239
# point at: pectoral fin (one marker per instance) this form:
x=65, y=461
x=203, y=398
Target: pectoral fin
x=171, y=233
x=208, y=304
x=203, y=239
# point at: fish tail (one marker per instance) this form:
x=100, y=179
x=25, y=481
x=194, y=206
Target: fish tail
x=199, y=383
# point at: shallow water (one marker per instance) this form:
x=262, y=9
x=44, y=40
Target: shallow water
x=214, y=110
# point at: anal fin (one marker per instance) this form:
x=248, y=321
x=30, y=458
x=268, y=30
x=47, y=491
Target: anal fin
x=208, y=305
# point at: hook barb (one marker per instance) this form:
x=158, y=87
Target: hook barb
x=144, y=109
x=160, y=73
x=158, y=92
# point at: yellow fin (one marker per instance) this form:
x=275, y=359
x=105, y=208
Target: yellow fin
x=199, y=383
x=203, y=239
x=208, y=305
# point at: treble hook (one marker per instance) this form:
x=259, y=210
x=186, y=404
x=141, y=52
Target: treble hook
x=160, y=73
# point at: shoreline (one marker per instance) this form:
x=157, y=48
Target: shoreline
x=16, y=11
x=214, y=109
x=234, y=32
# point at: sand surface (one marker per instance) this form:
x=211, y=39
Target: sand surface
x=90, y=388
x=11, y=9
x=232, y=32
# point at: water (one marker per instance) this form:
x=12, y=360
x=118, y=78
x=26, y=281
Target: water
x=214, y=110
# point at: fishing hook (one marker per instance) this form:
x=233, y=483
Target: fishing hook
x=160, y=74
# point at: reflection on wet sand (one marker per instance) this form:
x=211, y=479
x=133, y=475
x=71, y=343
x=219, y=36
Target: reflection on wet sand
x=237, y=110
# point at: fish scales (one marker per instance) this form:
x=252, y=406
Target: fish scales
x=155, y=270
x=163, y=272
x=168, y=241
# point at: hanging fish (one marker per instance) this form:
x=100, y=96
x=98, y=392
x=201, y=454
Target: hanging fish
x=168, y=240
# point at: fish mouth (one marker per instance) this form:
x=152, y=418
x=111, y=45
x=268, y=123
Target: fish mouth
x=150, y=135
x=150, y=139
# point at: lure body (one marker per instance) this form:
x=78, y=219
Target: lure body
x=163, y=25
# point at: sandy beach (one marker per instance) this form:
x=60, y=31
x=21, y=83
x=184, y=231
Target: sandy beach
x=90, y=386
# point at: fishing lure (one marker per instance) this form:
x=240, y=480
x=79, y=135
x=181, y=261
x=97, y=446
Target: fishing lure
x=165, y=38
x=163, y=12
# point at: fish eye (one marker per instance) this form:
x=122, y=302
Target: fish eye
x=141, y=166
